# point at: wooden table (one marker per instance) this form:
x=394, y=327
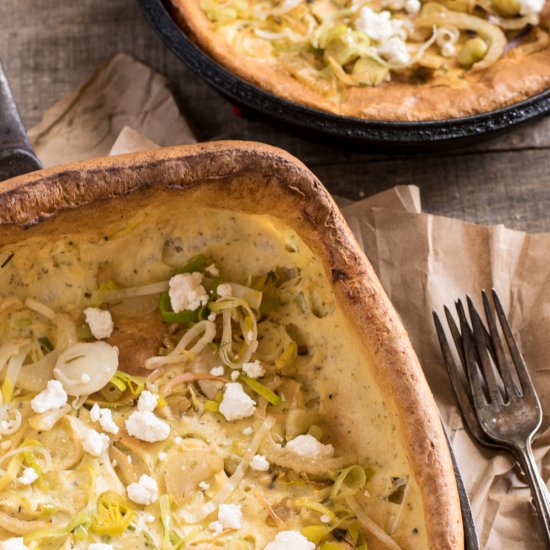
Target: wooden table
x=49, y=46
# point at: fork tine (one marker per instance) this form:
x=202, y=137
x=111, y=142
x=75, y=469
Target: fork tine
x=496, y=343
x=482, y=353
x=455, y=333
x=521, y=367
x=462, y=392
x=474, y=375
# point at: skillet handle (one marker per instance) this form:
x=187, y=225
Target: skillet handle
x=16, y=154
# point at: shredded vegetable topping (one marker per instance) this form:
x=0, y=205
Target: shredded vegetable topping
x=187, y=442
x=332, y=45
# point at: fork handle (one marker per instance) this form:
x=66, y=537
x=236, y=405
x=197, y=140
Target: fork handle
x=541, y=495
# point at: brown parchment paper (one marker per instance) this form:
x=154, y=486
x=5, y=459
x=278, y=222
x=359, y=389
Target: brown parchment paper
x=423, y=262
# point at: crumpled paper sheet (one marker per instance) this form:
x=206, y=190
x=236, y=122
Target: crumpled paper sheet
x=423, y=262
x=86, y=122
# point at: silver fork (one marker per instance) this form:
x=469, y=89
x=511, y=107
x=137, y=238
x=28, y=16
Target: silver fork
x=498, y=401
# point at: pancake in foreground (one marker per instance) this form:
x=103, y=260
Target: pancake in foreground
x=271, y=394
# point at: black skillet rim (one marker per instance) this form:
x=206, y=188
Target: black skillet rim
x=241, y=92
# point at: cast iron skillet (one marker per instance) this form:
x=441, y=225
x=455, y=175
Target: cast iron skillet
x=315, y=123
x=17, y=157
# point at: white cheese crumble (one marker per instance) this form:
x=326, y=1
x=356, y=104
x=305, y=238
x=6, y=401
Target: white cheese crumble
x=254, y=370
x=204, y=485
x=15, y=543
x=236, y=404
x=186, y=292
x=162, y=456
x=248, y=430
x=100, y=322
x=104, y=417
x=95, y=443
x=146, y=426
x=224, y=290
x=234, y=375
x=50, y=399
x=376, y=25
x=177, y=440
x=412, y=6
x=324, y=519
x=290, y=540
x=259, y=463
x=308, y=446
x=395, y=51
x=217, y=371
x=28, y=477
x=145, y=491
x=99, y=546
x=230, y=516
x=147, y=401
x=527, y=7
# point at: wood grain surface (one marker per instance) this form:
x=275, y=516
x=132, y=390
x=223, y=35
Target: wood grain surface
x=50, y=46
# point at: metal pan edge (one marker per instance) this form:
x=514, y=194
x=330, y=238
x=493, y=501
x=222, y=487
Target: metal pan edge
x=438, y=134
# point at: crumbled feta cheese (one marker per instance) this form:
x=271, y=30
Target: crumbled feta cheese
x=448, y=49
x=147, y=401
x=216, y=527
x=394, y=50
x=99, y=546
x=177, y=440
x=149, y=518
x=15, y=543
x=186, y=292
x=247, y=431
x=224, y=290
x=260, y=463
x=50, y=399
x=95, y=443
x=230, y=516
x=527, y=7
x=145, y=491
x=236, y=404
x=307, y=445
x=217, y=371
x=290, y=540
x=104, y=417
x=324, y=519
x=376, y=25
x=162, y=456
x=234, y=375
x=212, y=270
x=28, y=476
x=412, y=6
x=100, y=322
x=204, y=485
x=254, y=370
x=146, y=426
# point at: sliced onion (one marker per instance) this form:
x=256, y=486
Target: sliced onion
x=188, y=377
x=86, y=367
x=205, y=331
x=370, y=526
x=231, y=484
x=301, y=464
x=41, y=308
x=46, y=421
x=34, y=377
x=30, y=449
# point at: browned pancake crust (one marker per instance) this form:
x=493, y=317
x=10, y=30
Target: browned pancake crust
x=510, y=80
x=259, y=179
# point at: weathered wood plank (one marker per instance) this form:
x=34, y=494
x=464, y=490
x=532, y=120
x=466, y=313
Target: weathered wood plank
x=48, y=48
